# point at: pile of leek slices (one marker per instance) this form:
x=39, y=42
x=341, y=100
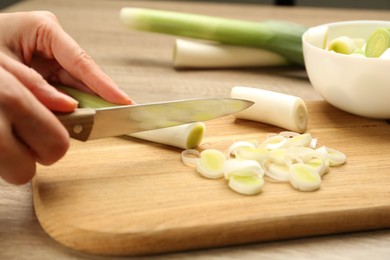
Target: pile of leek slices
x=284, y=157
x=376, y=46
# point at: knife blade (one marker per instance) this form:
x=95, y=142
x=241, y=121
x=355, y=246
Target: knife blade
x=87, y=123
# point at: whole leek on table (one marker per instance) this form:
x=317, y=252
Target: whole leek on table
x=281, y=37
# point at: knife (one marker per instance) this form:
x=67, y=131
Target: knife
x=87, y=123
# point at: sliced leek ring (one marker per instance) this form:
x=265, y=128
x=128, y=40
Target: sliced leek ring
x=239, y=167
x=333, y=156
x=304, y=177
x=210, y=163
x=246, y=185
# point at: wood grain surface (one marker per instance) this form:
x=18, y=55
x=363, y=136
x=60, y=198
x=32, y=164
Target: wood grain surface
x=141, y=64
x=121, y=196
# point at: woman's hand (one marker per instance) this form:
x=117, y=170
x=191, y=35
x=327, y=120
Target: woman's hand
x=36, y=51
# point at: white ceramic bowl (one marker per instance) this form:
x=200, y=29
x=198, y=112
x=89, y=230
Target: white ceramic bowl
x=358, y=85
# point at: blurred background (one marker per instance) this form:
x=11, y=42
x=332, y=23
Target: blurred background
x=371, y=4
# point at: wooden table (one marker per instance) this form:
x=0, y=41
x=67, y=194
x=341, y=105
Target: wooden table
x=141, y=64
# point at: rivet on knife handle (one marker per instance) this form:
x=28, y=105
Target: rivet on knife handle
x=78, y=123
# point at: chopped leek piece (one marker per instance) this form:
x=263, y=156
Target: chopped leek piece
x=303, y=152
x=360, y=43
x=233, y=148
x=246, y=185
x=304, y=177
x=300, y=140
x=274, y=142
x=273, y=108
x=190, y=156
x=359, y=53
x=313, y=143
x=320, y=165
x=210, y=163
x=237, y=167
x=279, y=172
x=378, y=42
x=333, y=156
x=342, y=44
x=288, y=134
x=185, y=136
x=278, y=156
x=377, y=45
x=252, y=153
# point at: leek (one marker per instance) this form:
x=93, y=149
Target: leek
x=274, y=108
x=210, y=163
x=333, y=156
x=185, y=136
x=246, y=185
x=278, y=172
x=237, y=145
x=191, y=54
x=378, y=43
x=281, y=37
x=343, y=45
x=304, y=177
x=239, y=167
x=294, y=160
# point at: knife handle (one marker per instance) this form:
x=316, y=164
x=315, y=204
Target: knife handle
x=78, y=123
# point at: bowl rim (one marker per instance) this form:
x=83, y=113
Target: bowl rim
x=344, y=22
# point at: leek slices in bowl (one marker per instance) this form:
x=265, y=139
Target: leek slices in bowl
x=355, y=82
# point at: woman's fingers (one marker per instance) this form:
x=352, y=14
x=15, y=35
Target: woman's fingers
x=38, y=34
x=51, y=70
x=29, y=132
x=45, y=93
x=52, y=41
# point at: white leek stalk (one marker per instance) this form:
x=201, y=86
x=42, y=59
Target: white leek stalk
x=192, y=54
x=282, y=110
x=185, y=136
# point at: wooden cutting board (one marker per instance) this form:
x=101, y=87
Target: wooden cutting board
x=122, y=196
